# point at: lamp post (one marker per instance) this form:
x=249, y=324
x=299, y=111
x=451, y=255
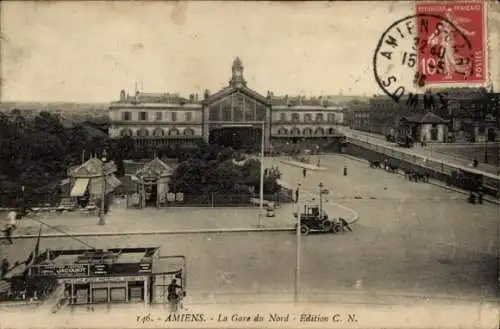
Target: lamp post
x=319, y=155
x=321, y=198
x=102, y=220
x=297, y=263
x=261, y=200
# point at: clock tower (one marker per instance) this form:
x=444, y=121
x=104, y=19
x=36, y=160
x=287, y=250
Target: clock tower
x=237, y=79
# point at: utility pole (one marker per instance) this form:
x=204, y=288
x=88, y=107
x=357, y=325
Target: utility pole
x=261, y=201
x=102, y=220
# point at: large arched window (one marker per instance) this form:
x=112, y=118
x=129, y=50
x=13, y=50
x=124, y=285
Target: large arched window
x=295, y=131
x=158, y=132
x=126, y=132
x=331, y=131
x=142, y=132
x=173, y=132
x=282, y=131
x=308, y=117
x=188, y=132
x=319, y=117
x=319, y=131
x=308, y=131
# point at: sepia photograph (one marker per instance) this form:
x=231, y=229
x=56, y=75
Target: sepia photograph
x=249, y=164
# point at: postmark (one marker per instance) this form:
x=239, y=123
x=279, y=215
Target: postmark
x=468, y=18
x=396, y=57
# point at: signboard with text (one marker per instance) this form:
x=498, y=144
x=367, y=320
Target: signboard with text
x=67, y=270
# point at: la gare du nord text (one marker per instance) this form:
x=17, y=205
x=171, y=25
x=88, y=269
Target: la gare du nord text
x=272, y=317
x=404, y=30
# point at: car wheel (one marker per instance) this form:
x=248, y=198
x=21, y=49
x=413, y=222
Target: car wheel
x=304, y=230
x=337, y=228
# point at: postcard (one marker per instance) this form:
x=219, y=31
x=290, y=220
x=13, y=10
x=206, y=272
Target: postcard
x=210, y=164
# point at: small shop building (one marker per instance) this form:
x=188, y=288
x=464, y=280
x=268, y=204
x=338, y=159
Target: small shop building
x=85, y=182
x=150, y=184
x=125, y=275
x=424, y=127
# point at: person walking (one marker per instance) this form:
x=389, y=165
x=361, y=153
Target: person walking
x=304, y=172
x=4, y=268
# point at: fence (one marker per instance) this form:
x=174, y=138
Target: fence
x=210, y=200
x=442, y=168
x=11, y=200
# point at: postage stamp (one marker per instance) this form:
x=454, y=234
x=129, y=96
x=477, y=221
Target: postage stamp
x=440, y=45
x=446, y=56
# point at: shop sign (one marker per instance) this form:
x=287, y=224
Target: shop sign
x=68, y=270
x=120, y=269
x=171, y=197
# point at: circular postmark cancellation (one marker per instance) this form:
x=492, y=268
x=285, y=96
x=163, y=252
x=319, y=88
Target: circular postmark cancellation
x=417, y=47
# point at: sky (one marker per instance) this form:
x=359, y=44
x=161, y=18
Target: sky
x=89, y=51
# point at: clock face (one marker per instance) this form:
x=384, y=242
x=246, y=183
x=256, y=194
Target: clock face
x=237, y=73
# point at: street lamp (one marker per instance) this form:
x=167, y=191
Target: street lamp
x=102, y=221
x=319, y=155
x=321, y=199
x=298, y=234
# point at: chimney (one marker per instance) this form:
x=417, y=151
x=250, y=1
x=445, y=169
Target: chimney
x=207, y=93
x=196, y=97
x=191, y=98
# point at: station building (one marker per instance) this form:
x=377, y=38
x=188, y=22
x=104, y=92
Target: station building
x=235, y=116
x=119, y=275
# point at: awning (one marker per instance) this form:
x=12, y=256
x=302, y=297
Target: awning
x=80, y=187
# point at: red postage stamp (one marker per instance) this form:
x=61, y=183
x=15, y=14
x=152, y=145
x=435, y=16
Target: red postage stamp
x=452, y=45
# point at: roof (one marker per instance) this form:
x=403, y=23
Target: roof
x=92, y=167
x=428, y=117
x=226, y=91
x=155, y=168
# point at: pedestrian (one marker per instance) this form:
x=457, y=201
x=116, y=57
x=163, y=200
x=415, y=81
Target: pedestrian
x=11, y=218
x=475, y=163
x=296, y=195
x=4, y=267
x=304, y=172
x=8, y=233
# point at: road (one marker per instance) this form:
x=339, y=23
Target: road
x=417, y=150
x=411, y=238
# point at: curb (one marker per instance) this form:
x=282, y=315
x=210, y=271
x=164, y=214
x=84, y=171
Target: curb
x=208, y=231
x=302, y=165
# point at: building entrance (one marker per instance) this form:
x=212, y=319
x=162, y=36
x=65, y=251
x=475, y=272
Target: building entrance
x=246, y=139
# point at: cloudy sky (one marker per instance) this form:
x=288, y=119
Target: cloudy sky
x=88, y=51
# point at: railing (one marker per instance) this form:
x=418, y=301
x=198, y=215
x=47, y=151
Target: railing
x=490, y=180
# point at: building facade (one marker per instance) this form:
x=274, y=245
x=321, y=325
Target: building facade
x=158, y=119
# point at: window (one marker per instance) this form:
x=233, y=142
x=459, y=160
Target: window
x=295, y=131
x=331, y=116
x=159, y=116
x=188, y=132
x=143, y=116
x=308, y=117
x=307, y=131
x=295, y=117
x=282, y=131
x=188, y=116
x=331, y=131
x=157, y=132
x=319, y=131
x=319, y=117
x=142, y=133
x=174, y=116
x=126, y=116
x=173, y=132
x=283, y=117
x=126, y=132
x=226, y=111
